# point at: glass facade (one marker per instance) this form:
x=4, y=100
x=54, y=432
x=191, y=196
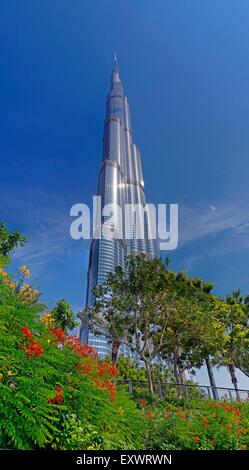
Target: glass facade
x=120, y=182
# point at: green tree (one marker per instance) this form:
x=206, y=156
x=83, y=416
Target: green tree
x=191, y=333
x=233, y=314
x=128, y=308
x=9, y=241
x=63, y=316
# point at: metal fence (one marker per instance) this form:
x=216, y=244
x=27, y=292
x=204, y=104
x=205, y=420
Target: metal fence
x=187, y=391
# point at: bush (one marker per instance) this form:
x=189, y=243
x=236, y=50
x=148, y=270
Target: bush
x=55, y=392
x=197, y=425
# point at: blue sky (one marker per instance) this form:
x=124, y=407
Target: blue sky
x=185, y=69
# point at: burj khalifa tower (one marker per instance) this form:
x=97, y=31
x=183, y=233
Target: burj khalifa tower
x=120, y=184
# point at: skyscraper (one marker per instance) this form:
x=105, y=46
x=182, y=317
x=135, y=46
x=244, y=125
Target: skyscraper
x=120, y=183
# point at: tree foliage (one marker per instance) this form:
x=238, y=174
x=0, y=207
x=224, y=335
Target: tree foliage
x=9, y=241
x=63, y=316
x=158, y=313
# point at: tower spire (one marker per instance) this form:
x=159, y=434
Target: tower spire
x=115, y=64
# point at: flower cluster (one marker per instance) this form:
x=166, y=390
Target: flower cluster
x=28, y=295
x=106, y=385
x=72, y=342
x=101, y=372
x=3, y=273
x=47, y=319
x=58, y=334
x=24, y=271
x=225, y=406
x=32, y=347
x=6, y=278
x=104, y=368
x=143, y=403
x=150, y=415
x=204, y=421
x=181, y=414
x=27, y=333
x=58, y=398
x=80, y=350
x=85, y=368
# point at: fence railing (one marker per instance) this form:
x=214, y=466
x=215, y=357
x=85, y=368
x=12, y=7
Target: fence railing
x=187, y=391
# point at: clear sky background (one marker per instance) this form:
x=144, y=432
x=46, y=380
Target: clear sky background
x=185, y=70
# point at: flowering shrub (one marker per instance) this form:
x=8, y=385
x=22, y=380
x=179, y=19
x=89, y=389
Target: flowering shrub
x=101, y=372
x=26, y=293
x=48, y=377
x=201, y=425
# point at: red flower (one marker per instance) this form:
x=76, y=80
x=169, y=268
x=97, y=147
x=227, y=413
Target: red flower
x=84, y=368
x=81, y=350
x=106, y=385
x=196, y=439
x=150, y=415
x=143, y=403
x=237, y=413
x=107, y=369
x=58, y=398
x=34, y=349
x=204, y=421
x=26, y=332
x=213, y=443
x=242, y=431
x=59, y=334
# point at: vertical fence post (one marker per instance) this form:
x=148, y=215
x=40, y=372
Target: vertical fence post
x=130, y=387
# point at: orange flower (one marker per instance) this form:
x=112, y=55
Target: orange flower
x=204, y=421
x=242, y=431
x=150, y=415
x=181, y=414
x=143, y=403
x=229, y=427
x=213, y=443
x=237, y=420
x=196, y=439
